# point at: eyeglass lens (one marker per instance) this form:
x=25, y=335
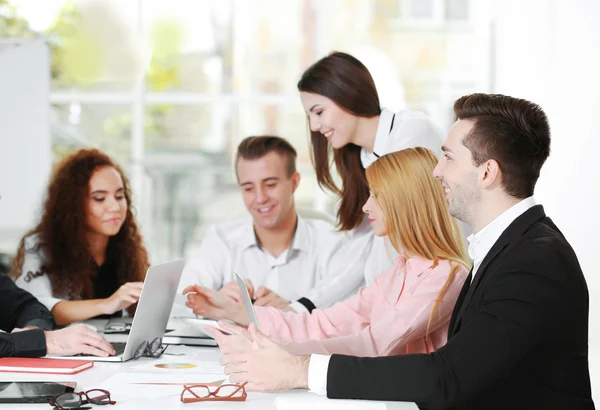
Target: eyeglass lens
x=98, y=396
x=68, y=400
x=156, y=348
x=140, y=350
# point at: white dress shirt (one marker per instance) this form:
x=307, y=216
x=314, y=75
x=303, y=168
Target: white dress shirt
x=316, y=256
x=481, y=242
x=395, y=132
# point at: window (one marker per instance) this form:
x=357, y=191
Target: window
x=170, y=87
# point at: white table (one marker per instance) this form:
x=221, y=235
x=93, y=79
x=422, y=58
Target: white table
x=292, y=400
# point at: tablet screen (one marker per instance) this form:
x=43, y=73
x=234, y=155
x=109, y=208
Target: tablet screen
x=33, y=392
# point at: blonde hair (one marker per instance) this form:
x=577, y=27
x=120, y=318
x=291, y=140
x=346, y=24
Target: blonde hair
x=415, y=210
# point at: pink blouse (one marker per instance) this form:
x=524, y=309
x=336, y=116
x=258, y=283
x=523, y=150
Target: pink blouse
x=389, y=317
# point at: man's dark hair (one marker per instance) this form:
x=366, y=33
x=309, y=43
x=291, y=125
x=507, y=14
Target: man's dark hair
x=258, y=146
x=513, y=132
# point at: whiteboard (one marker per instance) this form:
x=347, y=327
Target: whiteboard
x=25, y=145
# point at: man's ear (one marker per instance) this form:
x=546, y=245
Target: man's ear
x=295, y=180
x=492, y=174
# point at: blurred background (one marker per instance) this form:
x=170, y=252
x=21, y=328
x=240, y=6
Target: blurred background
x=169, y=88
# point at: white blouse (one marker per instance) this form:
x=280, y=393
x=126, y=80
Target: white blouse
x=31, y=278
x=395, y=132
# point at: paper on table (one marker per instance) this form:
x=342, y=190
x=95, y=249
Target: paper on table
x=158, y=378
x=183, y=350
x=151, y=385
x=179, y=365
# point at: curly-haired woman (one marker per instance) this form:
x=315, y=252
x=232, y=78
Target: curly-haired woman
x=86, y=257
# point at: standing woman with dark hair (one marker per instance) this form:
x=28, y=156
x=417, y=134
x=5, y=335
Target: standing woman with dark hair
x=86, y=257
x=347, y=123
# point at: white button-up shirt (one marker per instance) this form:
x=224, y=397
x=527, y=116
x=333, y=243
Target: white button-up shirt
x=481, y=242
x=480, y=245
x=315, y=266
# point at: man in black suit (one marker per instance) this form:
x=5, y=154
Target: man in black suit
x=31, y=325
x=518, y=336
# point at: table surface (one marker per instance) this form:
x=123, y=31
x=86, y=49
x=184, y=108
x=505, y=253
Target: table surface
x=94, y=377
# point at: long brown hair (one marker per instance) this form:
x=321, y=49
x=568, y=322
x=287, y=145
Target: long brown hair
x=61, y=231
x=416, y=211
x=347, y=82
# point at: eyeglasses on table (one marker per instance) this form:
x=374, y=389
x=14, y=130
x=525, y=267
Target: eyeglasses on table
x=75, y=400
x=201, y=392
x=154, y=349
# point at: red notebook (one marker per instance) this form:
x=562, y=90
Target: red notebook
x=55, y=366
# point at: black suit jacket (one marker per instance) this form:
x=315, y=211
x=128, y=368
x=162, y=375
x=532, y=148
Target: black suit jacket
x=518, y=336
x=18, y=308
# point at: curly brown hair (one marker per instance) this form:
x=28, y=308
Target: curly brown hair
x=62, y=231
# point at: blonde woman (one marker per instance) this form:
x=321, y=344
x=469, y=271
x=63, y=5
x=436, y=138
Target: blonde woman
x=407, y=308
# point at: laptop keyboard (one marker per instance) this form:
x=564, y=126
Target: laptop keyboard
x=118, y=346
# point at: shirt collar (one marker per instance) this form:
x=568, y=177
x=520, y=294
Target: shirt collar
x=416, y=264
x=300, y=241
x=248, y=237
x=381, y=139
x=481, y=242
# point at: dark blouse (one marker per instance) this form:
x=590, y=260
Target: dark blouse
x=106, y=282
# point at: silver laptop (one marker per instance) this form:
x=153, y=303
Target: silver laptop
x=247, y=301
x=152, y=313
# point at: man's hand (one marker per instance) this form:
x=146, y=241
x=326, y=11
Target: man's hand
x=239, y=341
x=77, y=339
x=269, y=368
x=125, y=296
x=232, y=290
x=266, y=297
x=214, y=305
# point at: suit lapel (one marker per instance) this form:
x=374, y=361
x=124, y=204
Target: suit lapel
x=496, y=249
x=459, y=302
x=514, y=231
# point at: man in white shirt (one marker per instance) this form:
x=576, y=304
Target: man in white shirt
x=518, y=336
x=283, y=256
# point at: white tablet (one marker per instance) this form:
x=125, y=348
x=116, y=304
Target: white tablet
x=201, y=324
x=247, y=302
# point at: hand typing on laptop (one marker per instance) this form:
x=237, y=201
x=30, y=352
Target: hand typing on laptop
x=77, y=339
x=124, y=297
x=214, y=305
